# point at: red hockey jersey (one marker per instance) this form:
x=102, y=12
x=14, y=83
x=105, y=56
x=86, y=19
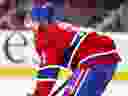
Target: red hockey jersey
x=87, y=49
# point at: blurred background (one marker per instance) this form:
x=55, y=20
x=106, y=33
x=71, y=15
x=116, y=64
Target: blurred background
x=88, y=13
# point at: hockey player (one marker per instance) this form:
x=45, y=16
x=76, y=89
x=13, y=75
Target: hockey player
x=83, y=59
